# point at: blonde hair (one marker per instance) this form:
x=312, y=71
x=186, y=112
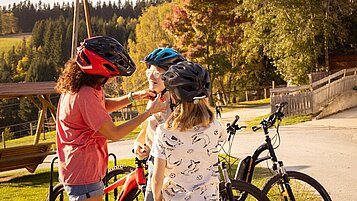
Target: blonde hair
x=187, y=115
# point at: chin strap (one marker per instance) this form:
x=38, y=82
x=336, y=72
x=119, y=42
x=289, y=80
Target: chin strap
x=173, y=105
x=104, y=81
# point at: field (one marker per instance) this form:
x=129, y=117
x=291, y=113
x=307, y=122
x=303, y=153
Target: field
x=7, y=41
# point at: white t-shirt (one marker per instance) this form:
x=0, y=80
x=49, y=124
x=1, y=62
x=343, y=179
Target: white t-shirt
x=191, y=171
x=153, y=122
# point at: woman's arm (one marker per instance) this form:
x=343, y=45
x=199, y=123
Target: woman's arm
x=157, y=179
x=114, y=104
x=115, y=133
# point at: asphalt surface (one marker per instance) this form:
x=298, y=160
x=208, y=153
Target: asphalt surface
x=325, y=149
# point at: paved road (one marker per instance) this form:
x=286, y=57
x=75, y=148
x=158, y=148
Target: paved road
x=325, y=149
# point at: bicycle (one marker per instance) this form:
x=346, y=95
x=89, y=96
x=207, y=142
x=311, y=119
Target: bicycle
x=133, y=183
x=131, y=174
x=284, y=185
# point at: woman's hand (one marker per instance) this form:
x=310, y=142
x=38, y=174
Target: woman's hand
x=146, y=94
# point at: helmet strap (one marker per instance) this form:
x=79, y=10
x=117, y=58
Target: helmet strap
x=104, y=81
x=173, y=106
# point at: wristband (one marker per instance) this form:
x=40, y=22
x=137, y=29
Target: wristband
x=130, y=97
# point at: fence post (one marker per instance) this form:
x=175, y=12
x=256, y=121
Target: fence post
x=31, y=129
x=265, y=93
x=3, y=139
x=246, y=96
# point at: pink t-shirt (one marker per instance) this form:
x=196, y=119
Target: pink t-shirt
x=82, y=150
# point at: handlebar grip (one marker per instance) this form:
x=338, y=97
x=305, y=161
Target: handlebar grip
x=255, y=128
x=235, y=120
x=243, y=127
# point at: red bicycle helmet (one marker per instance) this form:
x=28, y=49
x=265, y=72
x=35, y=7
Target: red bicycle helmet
x=103, y=55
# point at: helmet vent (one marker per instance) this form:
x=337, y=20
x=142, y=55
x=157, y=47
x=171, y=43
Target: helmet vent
x=108, y=54
x=84, y=56
x=107, y=66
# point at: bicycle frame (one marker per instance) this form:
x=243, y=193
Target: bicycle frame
x=246, y=166
x=134, y=180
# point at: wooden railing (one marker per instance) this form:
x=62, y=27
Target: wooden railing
x=309, y=99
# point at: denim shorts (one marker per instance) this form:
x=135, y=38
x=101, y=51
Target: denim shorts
x=85, y=191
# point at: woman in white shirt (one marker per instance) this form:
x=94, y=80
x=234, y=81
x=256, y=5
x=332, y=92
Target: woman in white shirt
x=186, y=146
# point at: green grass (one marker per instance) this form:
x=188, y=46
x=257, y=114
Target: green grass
x=286, y=121
x=51, y=137
x=245, y=104
x=24, y=186
x=7, y=41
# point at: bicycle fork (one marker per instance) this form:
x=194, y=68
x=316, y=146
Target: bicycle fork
x=284, y=185
x=227, y=181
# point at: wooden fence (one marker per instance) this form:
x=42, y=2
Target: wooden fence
x=310, y=99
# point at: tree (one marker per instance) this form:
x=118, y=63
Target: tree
x=149, y=36
x=0, y=21
x=208, y=33
x=38, y=32
x=292, y=34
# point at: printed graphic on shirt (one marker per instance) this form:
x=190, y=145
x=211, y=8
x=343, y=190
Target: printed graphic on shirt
x=172, y=189
x=214, y=169
x=171, y=162
x=213, y=150
x=172, y=141
x=191, y=168
x=201, y=138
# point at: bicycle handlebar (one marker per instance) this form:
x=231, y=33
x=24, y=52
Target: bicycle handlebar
x=270, y=121
x=232, y=128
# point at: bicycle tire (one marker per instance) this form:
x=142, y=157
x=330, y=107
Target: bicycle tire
x=58, y=193
x=303, y=186
x=242, y=191
x=121, y=171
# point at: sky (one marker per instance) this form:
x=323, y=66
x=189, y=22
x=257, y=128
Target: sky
x=7, y=2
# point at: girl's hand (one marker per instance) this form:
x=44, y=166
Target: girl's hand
x=141, y=150
x=158, y=105
x=146, y=94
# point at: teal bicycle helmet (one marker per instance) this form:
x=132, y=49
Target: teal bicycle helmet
x=163, y=58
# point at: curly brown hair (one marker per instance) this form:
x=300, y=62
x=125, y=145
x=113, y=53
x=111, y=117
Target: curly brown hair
x=73, y=78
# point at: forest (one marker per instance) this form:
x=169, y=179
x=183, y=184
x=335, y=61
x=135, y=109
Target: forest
x=244, y=44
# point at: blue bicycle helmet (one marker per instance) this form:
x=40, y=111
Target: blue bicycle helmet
x=163, y=58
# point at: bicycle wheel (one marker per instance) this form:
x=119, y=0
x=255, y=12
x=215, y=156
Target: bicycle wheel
x=242, y=191
x=58, y=194
x=116, y=173
x=303, y=187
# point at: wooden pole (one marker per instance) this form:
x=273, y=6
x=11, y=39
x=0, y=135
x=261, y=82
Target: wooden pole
x=3, y=139
x=75, y=29
x=31, y=128
x=87, y=15
x=265, y=93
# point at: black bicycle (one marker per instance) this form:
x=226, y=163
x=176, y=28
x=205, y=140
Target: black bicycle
x=230, y=189
x=284, y=185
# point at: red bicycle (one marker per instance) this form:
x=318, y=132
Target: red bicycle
x=123, y=183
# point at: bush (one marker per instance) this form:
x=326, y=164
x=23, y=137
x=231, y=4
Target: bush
x=8, y=134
